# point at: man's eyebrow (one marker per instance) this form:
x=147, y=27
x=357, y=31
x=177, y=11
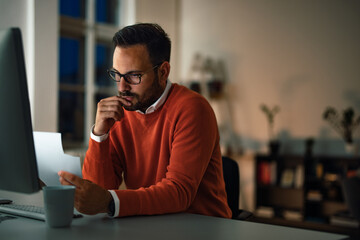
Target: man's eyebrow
x=129, y=72
x=134, y=72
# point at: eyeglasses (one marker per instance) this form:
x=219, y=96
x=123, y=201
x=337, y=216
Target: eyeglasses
x=130, y=78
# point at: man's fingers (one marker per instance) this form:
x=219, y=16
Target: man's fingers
x=89, y=197
x=109, y=110
x=64, y=182
x=114, y=100
x=110, y=115
x=67, y=178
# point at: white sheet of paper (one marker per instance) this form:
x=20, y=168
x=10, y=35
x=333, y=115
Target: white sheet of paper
x=51, y=158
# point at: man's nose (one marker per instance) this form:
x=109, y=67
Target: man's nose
x=123, y=85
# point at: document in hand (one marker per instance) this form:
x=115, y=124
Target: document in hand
x=51, y=158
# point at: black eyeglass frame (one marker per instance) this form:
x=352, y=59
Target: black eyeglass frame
x=126, y=75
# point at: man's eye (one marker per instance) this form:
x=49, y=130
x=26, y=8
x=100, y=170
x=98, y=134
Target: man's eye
x=135, y=75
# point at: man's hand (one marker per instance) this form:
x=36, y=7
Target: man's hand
x=89, y=198
x=108, y=111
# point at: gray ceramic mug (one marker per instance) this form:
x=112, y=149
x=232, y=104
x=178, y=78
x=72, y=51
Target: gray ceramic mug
x=59, y=205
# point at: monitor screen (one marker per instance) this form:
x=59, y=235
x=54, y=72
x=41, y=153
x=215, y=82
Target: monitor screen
x=18, y=168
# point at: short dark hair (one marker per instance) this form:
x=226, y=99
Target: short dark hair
x=151, y=35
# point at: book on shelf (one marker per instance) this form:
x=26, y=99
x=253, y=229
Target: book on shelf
x=314, y=195
x=267, y=172
x=344, y=219
x=299, y=176
x=353, y=172
x=292, y=215
x=265, y=212
x=293, y=177
x=287, y=178
x=264, y=173
x=273, y=172
x=331, y=177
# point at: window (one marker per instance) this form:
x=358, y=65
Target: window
x=72, y=8
x=105, y=13
x=71, y=91
x=104, y=56
x=85, y=52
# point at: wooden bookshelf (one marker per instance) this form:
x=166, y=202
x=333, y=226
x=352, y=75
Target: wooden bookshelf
x=302, y=191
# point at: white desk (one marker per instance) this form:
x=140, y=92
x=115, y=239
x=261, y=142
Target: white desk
x=170, y=227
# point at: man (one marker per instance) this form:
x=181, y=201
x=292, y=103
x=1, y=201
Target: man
x=160, y=137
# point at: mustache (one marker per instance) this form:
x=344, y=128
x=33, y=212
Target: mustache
x=126, y=94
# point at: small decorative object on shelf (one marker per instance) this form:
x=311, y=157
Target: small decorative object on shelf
x=345, y=125
x=206, y=77
x=195, y=78
x=274, y=144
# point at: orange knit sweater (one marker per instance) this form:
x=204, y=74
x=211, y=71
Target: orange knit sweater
x=170, y=159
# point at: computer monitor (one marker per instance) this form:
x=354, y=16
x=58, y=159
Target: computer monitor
x=18, y=168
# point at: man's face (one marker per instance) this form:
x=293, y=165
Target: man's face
x=135, y=59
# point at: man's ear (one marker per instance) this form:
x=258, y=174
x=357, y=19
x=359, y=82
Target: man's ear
x=164, y=71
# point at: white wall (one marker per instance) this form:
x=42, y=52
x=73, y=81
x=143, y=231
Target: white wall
x=164, y=13
x=19, y=14
x=46, y=65
x=301, y=55
x=37, y=20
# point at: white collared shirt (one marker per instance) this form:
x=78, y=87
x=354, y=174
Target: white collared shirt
x=160, y=101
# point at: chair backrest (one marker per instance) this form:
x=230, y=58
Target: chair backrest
x=232, y=179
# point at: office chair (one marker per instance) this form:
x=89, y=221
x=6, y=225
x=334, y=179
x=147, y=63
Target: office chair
x=232, y=186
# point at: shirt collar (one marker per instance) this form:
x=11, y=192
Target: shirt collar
x=160, y=101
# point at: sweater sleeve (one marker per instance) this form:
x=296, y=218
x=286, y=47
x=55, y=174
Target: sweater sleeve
x=101, y=165
x=194, y=137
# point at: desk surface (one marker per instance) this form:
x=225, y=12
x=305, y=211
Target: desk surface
x=173, y=226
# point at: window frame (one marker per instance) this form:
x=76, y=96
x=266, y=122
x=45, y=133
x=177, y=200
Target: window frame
x=90, y=33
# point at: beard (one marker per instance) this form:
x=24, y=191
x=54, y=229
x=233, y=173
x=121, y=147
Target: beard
x=150, y=96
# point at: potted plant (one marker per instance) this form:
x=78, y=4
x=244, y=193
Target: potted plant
x=274, y=144
x=344, y=124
